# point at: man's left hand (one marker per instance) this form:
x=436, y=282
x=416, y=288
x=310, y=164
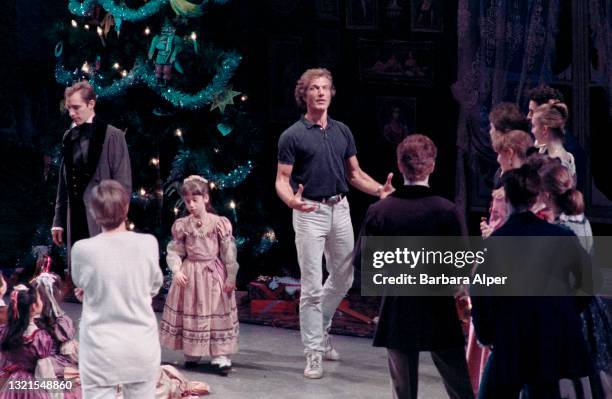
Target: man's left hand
x=387, y=188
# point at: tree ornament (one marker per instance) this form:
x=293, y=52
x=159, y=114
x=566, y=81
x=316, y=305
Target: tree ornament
x=143, y=75
x=224, y=128
x=59, y=49
x=95, y=14
x=148, y=9
x=107, y=24
x=185, y=8
x=164, y=47
x=223, y=99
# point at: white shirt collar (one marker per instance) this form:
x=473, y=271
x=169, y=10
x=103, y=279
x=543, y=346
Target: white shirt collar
x=424, y=182
x=90, y=120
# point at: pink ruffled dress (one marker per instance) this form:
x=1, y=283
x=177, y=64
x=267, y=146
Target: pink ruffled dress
x=201, y=319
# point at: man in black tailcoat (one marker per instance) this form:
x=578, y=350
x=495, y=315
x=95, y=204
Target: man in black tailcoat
x=408, y=325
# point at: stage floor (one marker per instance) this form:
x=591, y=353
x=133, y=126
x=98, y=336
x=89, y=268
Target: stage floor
x=270, y=364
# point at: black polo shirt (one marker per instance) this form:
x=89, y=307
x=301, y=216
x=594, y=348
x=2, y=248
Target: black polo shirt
x=318, y=156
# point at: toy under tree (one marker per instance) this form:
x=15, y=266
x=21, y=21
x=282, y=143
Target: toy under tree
x=174, y=97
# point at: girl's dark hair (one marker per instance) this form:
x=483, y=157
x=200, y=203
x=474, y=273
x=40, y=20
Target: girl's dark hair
x=18, y=321
x=522, y=186
x=47, y=318
x=197, y=187
x=559, y=183
x=506, y=117
x=543, y=94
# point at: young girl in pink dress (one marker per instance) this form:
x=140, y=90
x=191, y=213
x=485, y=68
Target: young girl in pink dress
x=200, y=315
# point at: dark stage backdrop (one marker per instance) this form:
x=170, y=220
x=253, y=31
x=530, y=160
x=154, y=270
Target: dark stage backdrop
x=393, y=63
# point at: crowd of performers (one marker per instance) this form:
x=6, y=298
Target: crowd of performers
x=530, y=347
x=537, y=177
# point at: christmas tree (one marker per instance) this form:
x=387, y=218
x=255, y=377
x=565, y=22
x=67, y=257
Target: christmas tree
x=173, y=93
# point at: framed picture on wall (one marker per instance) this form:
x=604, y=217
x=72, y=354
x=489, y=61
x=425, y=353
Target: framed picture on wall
x=328, y=10
x=397, y=61
x=361, y=14
x=395, y=118
x=427, y=15
x=285, y=66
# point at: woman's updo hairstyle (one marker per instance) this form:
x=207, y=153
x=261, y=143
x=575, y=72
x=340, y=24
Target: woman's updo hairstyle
x=553, y=116
x=559, y=183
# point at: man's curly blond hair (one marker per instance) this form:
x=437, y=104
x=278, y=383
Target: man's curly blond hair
x=303, y=82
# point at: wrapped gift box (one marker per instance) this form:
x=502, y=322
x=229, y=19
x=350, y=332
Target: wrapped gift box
x=273, y=308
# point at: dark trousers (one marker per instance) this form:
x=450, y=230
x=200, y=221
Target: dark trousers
x=404, y=369
x=489, y=389
x=79, y=229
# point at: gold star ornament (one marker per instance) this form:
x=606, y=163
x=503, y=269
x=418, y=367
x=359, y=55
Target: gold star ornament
x=224, y=99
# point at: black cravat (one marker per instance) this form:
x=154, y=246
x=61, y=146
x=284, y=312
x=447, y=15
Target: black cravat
x=80, y=136
x=83, y=131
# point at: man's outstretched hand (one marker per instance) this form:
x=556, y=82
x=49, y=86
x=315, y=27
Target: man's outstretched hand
x=387, y=188
x=298, y=202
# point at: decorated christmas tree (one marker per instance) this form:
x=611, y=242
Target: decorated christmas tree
x=160, y=77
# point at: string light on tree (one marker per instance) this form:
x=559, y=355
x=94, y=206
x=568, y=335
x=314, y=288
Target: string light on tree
x=154, y=162
x=232, y=206
x=244, y=97
x=143, y=192
x=116, y=66
x=74, y=23
x=179, y=133
x=267, y=241
x=147, y=31
x=212, y=185
x=85, y=67
x=124, y=73
x=131, y=226
x=86, y=26
x=176, y=211
x=270, y=235
x=194, y=39
x=100, y=31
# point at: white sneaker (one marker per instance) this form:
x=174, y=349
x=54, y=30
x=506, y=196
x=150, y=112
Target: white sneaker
x=330, y=353
x=314, y=365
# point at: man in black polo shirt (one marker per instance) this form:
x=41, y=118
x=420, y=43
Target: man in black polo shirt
x=316, y=157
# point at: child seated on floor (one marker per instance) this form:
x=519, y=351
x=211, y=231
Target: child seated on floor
x=25, y=348
x=57, y=323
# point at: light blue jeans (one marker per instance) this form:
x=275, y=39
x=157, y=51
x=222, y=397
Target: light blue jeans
x=326, y=231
